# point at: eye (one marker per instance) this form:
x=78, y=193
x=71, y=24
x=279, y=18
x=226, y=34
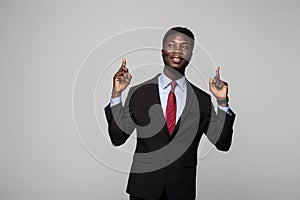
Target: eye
x=171, y=45
x=184, y=47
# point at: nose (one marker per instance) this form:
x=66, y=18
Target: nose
x=177, y=49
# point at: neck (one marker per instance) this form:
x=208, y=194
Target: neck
x=172, y=73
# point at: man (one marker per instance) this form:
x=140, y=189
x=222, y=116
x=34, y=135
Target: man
x=170, y=115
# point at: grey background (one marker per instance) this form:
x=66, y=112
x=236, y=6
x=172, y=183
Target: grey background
x=43, y=44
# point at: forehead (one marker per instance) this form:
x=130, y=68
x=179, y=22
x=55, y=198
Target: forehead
x=179, y=38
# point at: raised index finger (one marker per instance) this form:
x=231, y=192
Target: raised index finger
x=123, y=66
x=218, y=72
x=124, y=62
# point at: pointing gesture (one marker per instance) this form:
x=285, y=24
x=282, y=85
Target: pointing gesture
x=121, y=80
x=219, y=88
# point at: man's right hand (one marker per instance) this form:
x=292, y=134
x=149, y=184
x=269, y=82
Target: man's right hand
x=120, y=80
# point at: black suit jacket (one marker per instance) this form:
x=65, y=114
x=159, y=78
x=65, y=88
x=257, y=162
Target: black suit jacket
x=162, y=161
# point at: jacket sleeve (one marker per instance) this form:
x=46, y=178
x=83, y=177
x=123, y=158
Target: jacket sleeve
x=120, y=124
x=219, y=128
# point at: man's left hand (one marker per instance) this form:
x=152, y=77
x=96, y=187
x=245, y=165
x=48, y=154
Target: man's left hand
x=219, y=88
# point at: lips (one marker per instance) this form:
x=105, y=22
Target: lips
x=176, y=58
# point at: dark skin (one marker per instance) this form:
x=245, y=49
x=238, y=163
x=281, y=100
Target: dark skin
x=121, y=80
x=177, y=52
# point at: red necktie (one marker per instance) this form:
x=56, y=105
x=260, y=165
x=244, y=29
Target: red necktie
x=171, y=109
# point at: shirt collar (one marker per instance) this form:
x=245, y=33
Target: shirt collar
x=164, y=81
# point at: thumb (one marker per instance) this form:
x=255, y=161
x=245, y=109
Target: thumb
x=210, y=82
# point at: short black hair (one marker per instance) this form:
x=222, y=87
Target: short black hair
x=182, y=30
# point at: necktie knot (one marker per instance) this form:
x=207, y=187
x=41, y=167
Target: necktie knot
x=173, y=84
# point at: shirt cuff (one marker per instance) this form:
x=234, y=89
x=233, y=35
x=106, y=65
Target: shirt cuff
x=226, y=109
x=115, y=101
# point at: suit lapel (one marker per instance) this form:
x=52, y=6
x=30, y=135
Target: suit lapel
x=190, y=96
x=160, y=114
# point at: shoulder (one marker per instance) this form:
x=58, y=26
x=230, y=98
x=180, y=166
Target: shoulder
x=144, y=93
x=145, y=86
x=199, y=92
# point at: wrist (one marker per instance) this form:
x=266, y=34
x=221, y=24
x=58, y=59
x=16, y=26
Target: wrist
x=223, y=101
x=115, y=94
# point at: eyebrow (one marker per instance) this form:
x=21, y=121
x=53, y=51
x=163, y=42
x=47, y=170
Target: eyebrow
x=175, y=42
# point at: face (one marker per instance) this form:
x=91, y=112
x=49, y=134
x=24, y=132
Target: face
x=177, y=51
